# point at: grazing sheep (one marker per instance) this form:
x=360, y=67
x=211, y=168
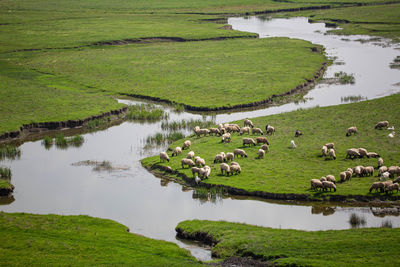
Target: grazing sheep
x=372, y=155
x=226, y=138
x=261, y=153
x=240, y=152
x=190, y=155
x=248, y=141
x=380, y=162
x=195, y=170
x=234, y=163
x=168, y=169
x=343, y=176
x=176, y=151
x=229, y=156
x=358, y=170
x=324, y=151
x=200, y=162
x=248, y=123
x=352, y=153
x=351, y=130
x=376, y=186
x=385, y=175
x=186, y=144
x=221, y=128
x=368, y=171
x=199, y=132
x=208, y=171
x=391, y=135
x=330, y=185
x=331, y=178
x=225, y=167
x=262, y=140
x=382, y=124
x=315, y=184
x=292, y=144
x=257, y=131
x=265, y=147
x=330, y=145
x=363, y=152
x=196, y=128
x=297, y=133
x=350, y=170
x=245, y=130
x=394, y=170
x=322, y=179
x=269, y=129
x=197, y=179
x=188, y=162
x=232, y=128
x=218, y=158
x=223, y=156
x=215, y=131
x=381, y=170
x=393, y=187
x=235, y=168
x=332, y=153
x=349, y=174
x=164, y=157
x=387, y=183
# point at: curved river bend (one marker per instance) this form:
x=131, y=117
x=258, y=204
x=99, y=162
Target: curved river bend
x=46, y=182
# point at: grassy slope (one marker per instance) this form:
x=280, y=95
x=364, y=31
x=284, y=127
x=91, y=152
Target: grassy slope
x=207, y=74
x=28, y=239
x=284, y=170
x=355, y=247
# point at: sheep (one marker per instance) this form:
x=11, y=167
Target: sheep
x=391, y=135
x=164, y=157
x=384, y=175
x=315, y=184
x=176, y=151
x=223, y=156
x=197, y=179
x=262, y=140
x=397, y=180
x=382, y=124
x=248, y=123
x=332, y=153
x=292, y=144
x=215, y=131
x=221, y=128
x=393, y=187
x=199, y=132
x=257, y=131
x=363, y=152
x=190, y=155
x=376, y=186
x=322, y=179
x=297, y=133
x=207, y=171
x=265, y=147
x=235, y=168
x=229, y=156
x=330, y=185
x=188, y=162
x=380, y=162
x=352, y=153
x=350, y=170
x=368, y=171
x=245, y=130
x=351, y=130
x=226, y=138
x=358, y=170
x=330, y=145
x=394, y=170
x=225, y=167
x=234, y=163
x=196, y=128
x=168, y=169
x=218, y=158
x=248, y=141
x=186, y=144
x=372, y=155
x=269, y=129
x=195, y=170
x=232, y=128
x=387, y=183
x=200, y=162
x=349, y=174
x=324, y=151
x=381, y=170
x=343, y=176
x=331, y=178
x=261, y=153
x=240, y=152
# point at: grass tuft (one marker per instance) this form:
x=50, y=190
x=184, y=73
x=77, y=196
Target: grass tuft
x=9, y=152
x=345, y=78
x=5, y=173
x=146, y=112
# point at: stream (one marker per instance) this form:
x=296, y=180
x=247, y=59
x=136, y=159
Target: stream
x=46, y=181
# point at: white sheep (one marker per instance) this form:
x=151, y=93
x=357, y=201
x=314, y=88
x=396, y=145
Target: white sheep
x=223, y=156
x=372, y=155
x=226, y=138
x=199, y=162
x=262, y=140
x=292, y=144
x=381, y=170
x=385, y=175
x=218, y=158
x=324, y=151
x=248, y=123
x=349, y=174
x=257, y=131
x=332, y=153
x=363, y=152
x=382, y=124
x=225, y=167
x=186, y=144
x=380, y=162
x=240, y=152
x=215, y=131
x=188, y=162
x=330, y=185
x=265, y=147
x=331, y=178
x=190, y=155
x=368, y=171
x=245, y=130
x=330, y=145
x=394, y=170
x=315, y=184
x=352, y=153
x=164, y=157
x=232, y=128
x=230, y=156
x=351, y=130
x=376, y=186
x=197, y=179
x=176, y=151
x=248, y=141
x=195, y=170
x=322, y=179
x=343, y=176
x=269, y=129
x=199, y=132
x=207, y=171
x=235, y=169
x=234, y=163
x=393, y=187
x=261, y=153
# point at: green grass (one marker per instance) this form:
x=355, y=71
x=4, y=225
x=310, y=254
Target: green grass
x=5, y=173
x=355, y=247
x=4, y=184
x=145, y=112
x=345, y=78
x=285, y=170
x=9, y=152
x=43, y=240
x=202, y=74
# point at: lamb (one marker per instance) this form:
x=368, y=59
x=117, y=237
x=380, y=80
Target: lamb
x=245, y=130
x=363, y=152
x=226, y=138
x=332, y=153
x=349, y=174
x=380, y=162
x=261, y=153
x=352, y=153
x=186, y=144
x=385, y=175
x=322, y=179
x=382, y=124
x=225, y=167
x=315, y=184
x=368, y=171
x=257, y=131
x=235, y=168
x=358, y=170
x=207, y=171
x=230, y=156
x=297, y=133
x=343, y=176
x=292, y=144
x=197, y=179
x=199, y=162
x=331, y=178
x=176, y=151
x=265, y=147
x=188, y=162
x=190, y=155
x=330, y=145
x=248, y=123
x=391, y=135
x=381, y=170
x=248, y=141
x=218, y=158
x=215, y=131
x=240, y=152
x=393, y=187
x=269, y=129
x=330, y=185
x=351, y=130
x=376, y=186
x=372, y=155
x=195, y=170
x=262, y=140
x=164, y=157
x=324, y=151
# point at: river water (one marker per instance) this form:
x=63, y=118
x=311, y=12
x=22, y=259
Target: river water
x=46, y=181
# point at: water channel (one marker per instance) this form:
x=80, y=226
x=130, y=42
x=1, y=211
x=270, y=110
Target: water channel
x=46, y=181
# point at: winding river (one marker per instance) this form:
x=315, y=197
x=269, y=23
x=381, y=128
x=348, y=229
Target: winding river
x=47, y=182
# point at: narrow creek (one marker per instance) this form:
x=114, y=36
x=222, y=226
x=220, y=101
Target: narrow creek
x=47, y=182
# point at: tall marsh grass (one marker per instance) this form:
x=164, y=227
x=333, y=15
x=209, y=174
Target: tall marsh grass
x=63, y=142
x=345, y=78
x=187, y=124
x=9, y=152
x=145, y=112
x=5, y=173
x=162, y=139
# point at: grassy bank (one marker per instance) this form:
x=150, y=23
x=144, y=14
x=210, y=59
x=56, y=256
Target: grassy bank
x=355, y=247
x=285, y=170
x=29, y=239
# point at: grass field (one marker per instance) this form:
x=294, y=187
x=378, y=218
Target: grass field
x=284, y=170
x=28, y=239
x=355, y=247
